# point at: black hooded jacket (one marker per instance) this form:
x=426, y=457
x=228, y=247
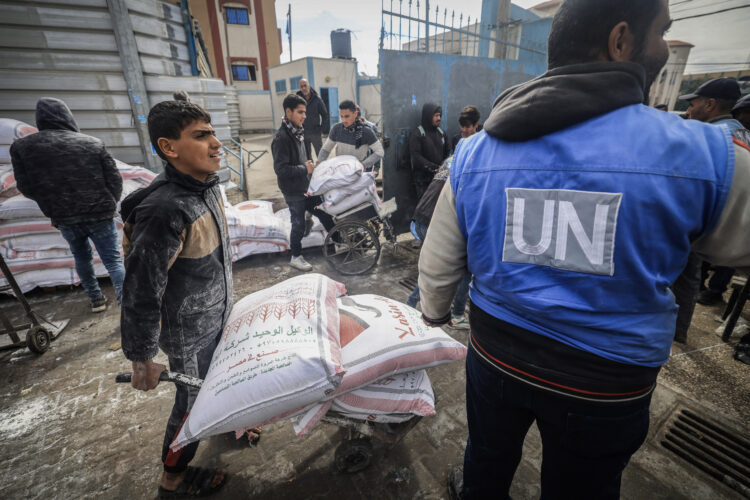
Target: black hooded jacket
x=289, y=159
x=429, y=150
x=317, y=119
x=70, y=175
x=177, y=293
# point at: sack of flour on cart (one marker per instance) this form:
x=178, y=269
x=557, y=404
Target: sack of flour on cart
x=382, y=338
x=391, y=400
x=336, y=172
x=340, y=200
x=279, y=353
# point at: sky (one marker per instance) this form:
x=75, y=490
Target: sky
x=719, y=38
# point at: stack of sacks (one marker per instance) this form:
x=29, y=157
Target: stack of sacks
x=10, y=130
x=384, y=345
x=278, y=354
x=317, y=235
x=295, y=351
x=253, y=228
x=343, y=184
x=34, y=250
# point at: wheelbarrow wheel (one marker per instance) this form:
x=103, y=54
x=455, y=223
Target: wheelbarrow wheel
x=37, y=339
x=353, y=456
x=352, y=248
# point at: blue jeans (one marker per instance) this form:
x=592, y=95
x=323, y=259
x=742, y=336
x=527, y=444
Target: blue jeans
x=104, y=235
x=462, y=292
x=585, y=445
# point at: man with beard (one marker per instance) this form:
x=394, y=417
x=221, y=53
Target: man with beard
x=317, y=120
x=428, y=147
x=574, y=224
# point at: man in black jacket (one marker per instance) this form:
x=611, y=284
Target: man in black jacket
x=293, y=171
x=178, y=285
x=428, y=147
x=317, y=120
x=75, y=182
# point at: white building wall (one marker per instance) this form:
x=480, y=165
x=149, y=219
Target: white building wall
x=370, y=102
x=666, y=87
x=255, y=111
x=284, y=72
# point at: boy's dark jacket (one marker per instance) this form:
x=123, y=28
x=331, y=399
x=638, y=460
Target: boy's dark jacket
x=288, y=163
x=70, y=175
x=177, y=293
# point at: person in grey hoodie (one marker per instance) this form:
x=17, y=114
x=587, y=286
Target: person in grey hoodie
x=75, y=182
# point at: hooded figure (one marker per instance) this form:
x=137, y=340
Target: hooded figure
x=428, y=147
x=75, y=182
x=70, y=175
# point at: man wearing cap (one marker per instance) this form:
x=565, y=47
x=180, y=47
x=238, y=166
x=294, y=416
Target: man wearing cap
x=741, y=111
x=712, y=103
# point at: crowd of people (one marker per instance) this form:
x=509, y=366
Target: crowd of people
x=565, y=230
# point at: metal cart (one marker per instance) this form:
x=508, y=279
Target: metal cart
x=352, y=455
x=353, y=244
x=38, y=337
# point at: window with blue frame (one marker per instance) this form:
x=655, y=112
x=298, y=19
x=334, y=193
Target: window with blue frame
x=243, y=72
x=294, y=82
x=237, y=15
x=280, y=86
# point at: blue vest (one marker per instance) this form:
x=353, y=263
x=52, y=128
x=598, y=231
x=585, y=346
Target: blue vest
x=577, y=235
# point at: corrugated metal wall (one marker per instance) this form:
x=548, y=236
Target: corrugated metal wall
x=67, y=49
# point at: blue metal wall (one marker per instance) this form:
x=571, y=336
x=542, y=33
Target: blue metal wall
x=411, y=79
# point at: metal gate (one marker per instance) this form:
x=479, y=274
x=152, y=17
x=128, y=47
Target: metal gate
x=424, y=59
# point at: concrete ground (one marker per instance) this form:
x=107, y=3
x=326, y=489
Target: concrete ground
x=69, y=431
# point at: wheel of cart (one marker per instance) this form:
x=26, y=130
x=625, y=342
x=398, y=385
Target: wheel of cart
x=352, y=455
x=353, y=244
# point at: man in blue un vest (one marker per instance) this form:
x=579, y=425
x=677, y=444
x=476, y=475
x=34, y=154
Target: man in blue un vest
x=574, y=224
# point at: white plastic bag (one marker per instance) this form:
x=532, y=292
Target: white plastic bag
x=279, y=353
x=336, y=172
x=333, y=196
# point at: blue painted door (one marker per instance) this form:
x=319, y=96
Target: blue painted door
x=330, y=97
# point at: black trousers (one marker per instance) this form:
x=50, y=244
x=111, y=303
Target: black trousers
x=194, y=366
x=585, y=445
x=313, y=140
x=297, y=209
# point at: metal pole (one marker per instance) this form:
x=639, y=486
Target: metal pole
x=419, y=24
x=410, y=25
x=460, y=34
x=453, y=18
x=468, y=37
x=445, y=33
x=133, y=73
x=503, y=16
x=426, y=25
x=390, y=35
x=289, y=26
x=400, y=20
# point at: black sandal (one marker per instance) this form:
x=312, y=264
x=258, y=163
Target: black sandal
x=196, y=483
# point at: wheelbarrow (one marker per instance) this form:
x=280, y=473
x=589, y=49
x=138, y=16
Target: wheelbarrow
x=352, y=455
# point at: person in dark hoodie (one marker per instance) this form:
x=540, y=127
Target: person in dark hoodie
x=317, y=121
x=293, y=170
x=574, y=224
x=75, y=182
x=428, y=147
x=178, y=282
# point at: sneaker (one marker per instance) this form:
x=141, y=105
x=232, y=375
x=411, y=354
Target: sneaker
x=710, y=297
x=99, y=305
x=456, y=483
x=300, y=263
x=460, y=322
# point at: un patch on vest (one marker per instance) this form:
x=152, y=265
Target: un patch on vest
x=572, y=230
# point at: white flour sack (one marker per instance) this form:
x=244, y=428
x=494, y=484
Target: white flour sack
x=382, y=338
x=336, y=195
x=391, y=400
x=11, y=129
x=279, y=353
x=336, y=172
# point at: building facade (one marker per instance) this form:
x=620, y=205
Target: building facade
x=242, y=42
x=666, y=87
